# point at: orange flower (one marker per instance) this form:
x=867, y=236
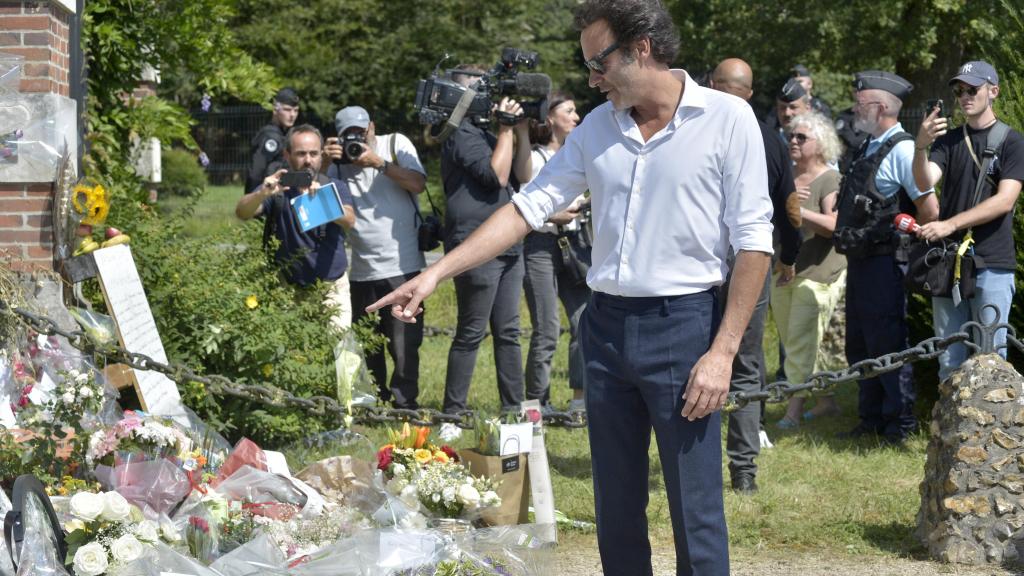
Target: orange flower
x=421, y=436
x=441, y=456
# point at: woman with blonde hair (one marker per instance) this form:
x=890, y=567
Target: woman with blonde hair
x=803, y=305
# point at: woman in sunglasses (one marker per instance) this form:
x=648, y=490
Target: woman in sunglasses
x=804, y=305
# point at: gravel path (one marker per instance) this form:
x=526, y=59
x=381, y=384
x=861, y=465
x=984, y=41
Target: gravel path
x=577, y=556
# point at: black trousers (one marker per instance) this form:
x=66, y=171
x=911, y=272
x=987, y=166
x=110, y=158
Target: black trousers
x=487, y=294
x=403, y=343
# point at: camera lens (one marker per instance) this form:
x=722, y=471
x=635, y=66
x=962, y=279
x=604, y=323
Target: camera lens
x=353, y=149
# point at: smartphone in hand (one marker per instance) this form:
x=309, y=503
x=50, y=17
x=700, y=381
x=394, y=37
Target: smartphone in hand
x=297, y=179
x=933, y=104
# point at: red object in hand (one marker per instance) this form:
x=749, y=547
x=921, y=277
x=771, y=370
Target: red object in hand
x=111, y=232
x=906, y=223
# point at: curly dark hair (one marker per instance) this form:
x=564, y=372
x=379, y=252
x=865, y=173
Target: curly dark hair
x=632, y=20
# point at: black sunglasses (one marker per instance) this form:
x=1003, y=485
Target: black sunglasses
x=960, y=90
x=800, y=138
x=597, y=62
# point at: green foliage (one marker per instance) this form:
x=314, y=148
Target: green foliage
x=221, y=308
x=372, y=52
x=181, y=173
x=123, y=39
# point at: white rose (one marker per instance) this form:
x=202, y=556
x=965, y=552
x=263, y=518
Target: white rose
x=469, y=495
x=87, y=506
x=448, y=493
x=115, y=507
x=410, y=497
x=85, y=392
x=68, y=397
x=490, y=498
x=148, y=531
x=170, y=532
x=82, y=378
x=126, y=548
x=398, y=469
x=91, y=560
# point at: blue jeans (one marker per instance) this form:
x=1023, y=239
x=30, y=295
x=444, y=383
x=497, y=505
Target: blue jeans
x=638, y=354
x=995, y=286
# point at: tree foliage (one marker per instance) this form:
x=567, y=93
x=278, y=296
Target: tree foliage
x=122, y=40
x=372, y=52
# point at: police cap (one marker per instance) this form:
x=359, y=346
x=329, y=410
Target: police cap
x=880, y=80
x=287, y=96
x=800, y=71
x=792, y=91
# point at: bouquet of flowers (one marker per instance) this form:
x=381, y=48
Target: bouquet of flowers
x=137, y=433
x=107, y=532
x=419, y=474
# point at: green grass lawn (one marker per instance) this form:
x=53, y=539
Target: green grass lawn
x=818, y=494
x=213, y=211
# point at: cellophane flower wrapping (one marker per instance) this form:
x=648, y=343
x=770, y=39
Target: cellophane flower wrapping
x=155, y=486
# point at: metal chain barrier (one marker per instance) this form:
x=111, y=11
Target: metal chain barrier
x=776, y=392
x=271, y=395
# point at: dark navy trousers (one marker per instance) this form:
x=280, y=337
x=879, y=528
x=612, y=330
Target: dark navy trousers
x=876, y=324
x=638, y=354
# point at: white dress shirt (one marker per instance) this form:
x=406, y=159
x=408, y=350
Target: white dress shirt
x=665, y=211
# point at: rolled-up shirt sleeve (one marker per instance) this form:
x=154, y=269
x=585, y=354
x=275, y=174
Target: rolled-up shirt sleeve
x=748, y=207
x=557, y=185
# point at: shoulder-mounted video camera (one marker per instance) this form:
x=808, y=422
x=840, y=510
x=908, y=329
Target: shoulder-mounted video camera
x=444, y=103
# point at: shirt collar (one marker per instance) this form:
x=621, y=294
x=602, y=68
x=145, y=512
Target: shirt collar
x=887, y=134
x=693, y=97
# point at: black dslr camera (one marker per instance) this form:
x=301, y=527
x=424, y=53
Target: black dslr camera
x=352, y=146
x=441, y=100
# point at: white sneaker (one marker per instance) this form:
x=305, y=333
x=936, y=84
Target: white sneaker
x=765, y=442
x=577, y=405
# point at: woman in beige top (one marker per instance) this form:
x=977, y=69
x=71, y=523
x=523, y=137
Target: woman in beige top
x=803, y=306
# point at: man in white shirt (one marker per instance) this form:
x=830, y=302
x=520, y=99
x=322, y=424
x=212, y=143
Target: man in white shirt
x=385, y=179
x=677, y=175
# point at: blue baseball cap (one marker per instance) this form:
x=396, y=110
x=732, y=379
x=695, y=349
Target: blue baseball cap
x=351, y=117
x=976, y=73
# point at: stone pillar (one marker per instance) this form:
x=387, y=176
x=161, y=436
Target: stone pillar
x=39, y=32
x=972, y=496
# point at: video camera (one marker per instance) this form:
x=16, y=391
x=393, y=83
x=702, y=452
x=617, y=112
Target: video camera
x=441, y=100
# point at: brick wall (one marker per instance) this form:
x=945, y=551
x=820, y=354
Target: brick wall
x=39, y=32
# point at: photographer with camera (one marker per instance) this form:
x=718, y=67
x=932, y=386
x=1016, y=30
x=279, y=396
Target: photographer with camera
x=385, y=177
x=316, y=255
x=481, y=171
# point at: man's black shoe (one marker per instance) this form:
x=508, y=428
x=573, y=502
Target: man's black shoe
x=744, y=484
x=859, y=431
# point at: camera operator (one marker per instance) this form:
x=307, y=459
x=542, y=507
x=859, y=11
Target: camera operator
x=481, y=170
x=385, y=177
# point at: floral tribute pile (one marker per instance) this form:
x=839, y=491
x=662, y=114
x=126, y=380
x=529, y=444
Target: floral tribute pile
x=139, y=494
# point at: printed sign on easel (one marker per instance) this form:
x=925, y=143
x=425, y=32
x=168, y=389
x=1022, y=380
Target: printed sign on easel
x=136, y=329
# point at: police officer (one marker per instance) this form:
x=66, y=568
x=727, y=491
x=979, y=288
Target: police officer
x=878, y=185
x=791, y=101
x=268, y=144
x=803, y=76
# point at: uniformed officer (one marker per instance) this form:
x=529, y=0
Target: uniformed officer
x=852, y=138
x=268, y=144
x=791, y=101
x=803, y=75
x=878, y=185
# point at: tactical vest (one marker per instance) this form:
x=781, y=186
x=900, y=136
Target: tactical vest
x=864, y=224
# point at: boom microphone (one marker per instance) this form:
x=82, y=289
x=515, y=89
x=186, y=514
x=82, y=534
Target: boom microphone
x=532, y=85
x=906, y=223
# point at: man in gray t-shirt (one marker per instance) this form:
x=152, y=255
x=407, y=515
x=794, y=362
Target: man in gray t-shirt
x=385, y=178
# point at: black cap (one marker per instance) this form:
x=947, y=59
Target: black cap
x=800, y=70
x=287, y=96
x=880, y=80
x=792, y=91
